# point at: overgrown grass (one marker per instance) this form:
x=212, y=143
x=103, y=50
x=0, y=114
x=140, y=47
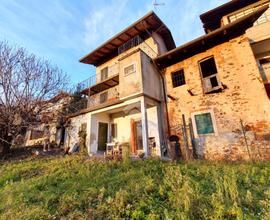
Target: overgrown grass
x=69, y=187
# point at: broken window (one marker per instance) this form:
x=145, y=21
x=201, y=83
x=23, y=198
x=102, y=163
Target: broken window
x=104, y=74
x=178, y=78
x=265, y=73
x=209, y=74
x=204, y=123
x=265, y=69
x=129, y=69
x=103, y=97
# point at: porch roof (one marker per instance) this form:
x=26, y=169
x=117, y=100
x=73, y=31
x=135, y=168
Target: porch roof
x=148, y=23
x=209, y=40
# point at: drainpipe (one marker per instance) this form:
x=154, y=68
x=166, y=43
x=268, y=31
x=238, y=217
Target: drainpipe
x=165, y=99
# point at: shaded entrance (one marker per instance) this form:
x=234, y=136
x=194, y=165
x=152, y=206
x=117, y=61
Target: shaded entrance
x=102, y=136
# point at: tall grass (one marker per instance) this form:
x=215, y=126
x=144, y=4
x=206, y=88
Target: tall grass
x=152, y=189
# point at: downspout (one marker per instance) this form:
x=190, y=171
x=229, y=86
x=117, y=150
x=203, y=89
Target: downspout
x=165, y=99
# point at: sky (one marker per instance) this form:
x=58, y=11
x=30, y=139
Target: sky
x=63, y=31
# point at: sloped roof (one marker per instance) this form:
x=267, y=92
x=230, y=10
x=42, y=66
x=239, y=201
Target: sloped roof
x=148, y=23
x=212, y=19
x=209, y=40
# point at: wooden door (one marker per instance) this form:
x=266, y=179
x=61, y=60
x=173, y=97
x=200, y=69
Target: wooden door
x=136, y=136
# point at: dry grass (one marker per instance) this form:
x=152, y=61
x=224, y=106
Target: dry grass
x=152, y=189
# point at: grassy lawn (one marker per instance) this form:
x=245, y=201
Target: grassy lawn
x=72, y=188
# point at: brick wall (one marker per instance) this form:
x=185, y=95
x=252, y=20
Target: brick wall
x=243, y=97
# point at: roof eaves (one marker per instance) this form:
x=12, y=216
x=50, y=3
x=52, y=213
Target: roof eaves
x=251, y=18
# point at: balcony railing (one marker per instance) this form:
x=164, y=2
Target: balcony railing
x=109, y=96
x=99, y=78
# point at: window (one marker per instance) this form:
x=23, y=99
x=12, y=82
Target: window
x=178, y=78
x=129, y=69
x=114, y=131
x=103, y=97
x=204, y=124
x=265, y=69
x=209, y=74
x=36, y=134
x=104, y=74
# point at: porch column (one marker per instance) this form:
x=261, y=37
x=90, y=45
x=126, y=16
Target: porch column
x=144, y=126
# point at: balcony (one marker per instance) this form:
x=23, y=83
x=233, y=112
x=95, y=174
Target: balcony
x=107, y=78
x=110, y=96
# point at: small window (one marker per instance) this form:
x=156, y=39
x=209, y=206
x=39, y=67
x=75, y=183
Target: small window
x=178, y=78
x=114, y=131
x=265, y=69
x=104, y=74
x=204, y=123
x=36, y=134
x=129, y=69
x=103, y=97
x=209, y=74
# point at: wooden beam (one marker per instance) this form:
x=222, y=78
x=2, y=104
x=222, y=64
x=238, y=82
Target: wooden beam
x=114, y=45
x=115, y=81
x=136, y=29
x=128, y=35
x=123, y=41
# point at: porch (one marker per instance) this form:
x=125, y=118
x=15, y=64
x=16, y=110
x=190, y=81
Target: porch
x=136, y=122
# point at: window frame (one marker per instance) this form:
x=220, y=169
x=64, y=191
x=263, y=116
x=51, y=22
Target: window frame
x=210, y=76
x=131, y=64
x=182, y=71
x=103, y=93
x=194, y=125
x=114, y=131
x=102, y=78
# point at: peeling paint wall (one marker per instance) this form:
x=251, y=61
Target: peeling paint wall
x=151, y=79
x=243, y=97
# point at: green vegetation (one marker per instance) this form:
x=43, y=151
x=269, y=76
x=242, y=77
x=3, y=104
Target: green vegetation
x=76, y=189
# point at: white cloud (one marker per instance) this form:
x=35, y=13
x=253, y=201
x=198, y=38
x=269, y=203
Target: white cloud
x=106, y=21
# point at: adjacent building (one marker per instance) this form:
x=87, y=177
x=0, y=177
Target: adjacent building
x=217, y=85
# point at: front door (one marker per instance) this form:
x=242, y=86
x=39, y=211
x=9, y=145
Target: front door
x=102, y=136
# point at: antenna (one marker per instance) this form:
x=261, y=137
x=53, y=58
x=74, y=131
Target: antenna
x=156, y=4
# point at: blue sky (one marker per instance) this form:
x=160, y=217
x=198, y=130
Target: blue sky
x=63, y=31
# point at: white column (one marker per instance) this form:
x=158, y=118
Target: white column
x=160, y=118
x=144, y=126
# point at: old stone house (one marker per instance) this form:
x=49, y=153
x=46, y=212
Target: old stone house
x=53, y=116
x=211, y=93
x=217, y=85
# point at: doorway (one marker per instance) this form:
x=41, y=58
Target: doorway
x=138, y=135
x=102, y=136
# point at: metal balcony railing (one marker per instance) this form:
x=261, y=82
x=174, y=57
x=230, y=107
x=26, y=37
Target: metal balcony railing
x=99, y=77
x=135, y=41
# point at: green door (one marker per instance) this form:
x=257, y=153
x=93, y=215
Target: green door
x=102, y=136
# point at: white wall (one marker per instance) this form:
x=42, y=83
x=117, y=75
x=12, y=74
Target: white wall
x=71, y=136
x=93, y=138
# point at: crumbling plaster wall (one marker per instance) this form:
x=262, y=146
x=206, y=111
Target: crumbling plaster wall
x=71, y=136
x=130, y=84
x=244, y=98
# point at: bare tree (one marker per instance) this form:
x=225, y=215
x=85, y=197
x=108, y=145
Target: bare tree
x=26, y=82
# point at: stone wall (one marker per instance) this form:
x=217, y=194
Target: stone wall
x=243, y=97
